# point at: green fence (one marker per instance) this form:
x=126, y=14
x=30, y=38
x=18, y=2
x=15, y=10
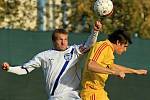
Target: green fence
x=17, y=47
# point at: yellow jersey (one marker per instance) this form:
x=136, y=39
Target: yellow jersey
x=102, y=53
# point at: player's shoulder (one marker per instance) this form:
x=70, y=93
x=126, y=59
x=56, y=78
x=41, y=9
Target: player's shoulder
x=73, y=46
x=46, y=52
x=104, y=42
x=101, y=45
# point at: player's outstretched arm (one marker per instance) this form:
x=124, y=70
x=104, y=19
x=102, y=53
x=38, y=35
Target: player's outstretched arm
x=130, y=70
x=26, y=68
x=19, y=70
x=92, y=38
x=141, y=72
x=95, y=67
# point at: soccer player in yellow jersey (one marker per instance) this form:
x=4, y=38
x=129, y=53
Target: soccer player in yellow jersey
x=100, y=63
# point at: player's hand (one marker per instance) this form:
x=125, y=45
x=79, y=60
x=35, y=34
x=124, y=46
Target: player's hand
x=5, y=66
x=141, y=72
x=97, y=26
x=82, y=49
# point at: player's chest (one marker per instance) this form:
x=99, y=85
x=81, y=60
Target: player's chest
x=62, y=57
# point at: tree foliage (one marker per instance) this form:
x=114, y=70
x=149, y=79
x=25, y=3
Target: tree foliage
x=133, y=15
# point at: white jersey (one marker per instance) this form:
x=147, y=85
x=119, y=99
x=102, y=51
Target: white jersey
x=60, y=71
x=62, y=76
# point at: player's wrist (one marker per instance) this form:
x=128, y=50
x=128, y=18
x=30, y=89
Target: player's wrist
x=135, y=71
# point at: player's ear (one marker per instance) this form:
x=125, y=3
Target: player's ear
x=117, y=43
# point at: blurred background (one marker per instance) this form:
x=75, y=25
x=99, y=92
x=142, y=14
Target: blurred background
x=74, y=15
x=26, y=27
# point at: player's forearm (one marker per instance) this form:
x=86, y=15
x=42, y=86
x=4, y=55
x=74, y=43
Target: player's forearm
x=93, y=66
x=19, y=70
x=91, y=39
x=124, y=69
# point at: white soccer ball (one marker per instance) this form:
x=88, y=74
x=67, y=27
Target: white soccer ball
x=103, y=7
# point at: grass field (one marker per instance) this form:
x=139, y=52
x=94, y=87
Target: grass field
x=17, y=47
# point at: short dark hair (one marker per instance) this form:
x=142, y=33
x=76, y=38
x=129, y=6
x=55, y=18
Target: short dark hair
x=58, y=31
x=121, y=35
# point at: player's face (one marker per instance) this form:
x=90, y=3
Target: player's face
x=61, y=42
x=121, y=48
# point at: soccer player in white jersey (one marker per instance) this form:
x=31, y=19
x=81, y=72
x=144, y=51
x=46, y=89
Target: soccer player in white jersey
x=62, y=76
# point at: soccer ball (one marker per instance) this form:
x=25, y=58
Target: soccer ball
x=103, y=7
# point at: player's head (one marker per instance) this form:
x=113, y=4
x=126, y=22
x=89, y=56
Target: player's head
x=60, y=39
x=121, y=39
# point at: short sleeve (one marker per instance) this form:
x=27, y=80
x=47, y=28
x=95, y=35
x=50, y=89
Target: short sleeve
x=102, y=54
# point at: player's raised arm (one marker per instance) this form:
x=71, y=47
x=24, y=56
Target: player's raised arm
x=92, y=38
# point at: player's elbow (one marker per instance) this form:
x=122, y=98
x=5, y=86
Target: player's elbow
x=90, y=66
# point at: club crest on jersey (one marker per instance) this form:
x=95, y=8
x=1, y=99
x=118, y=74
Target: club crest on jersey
x=67, y=56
